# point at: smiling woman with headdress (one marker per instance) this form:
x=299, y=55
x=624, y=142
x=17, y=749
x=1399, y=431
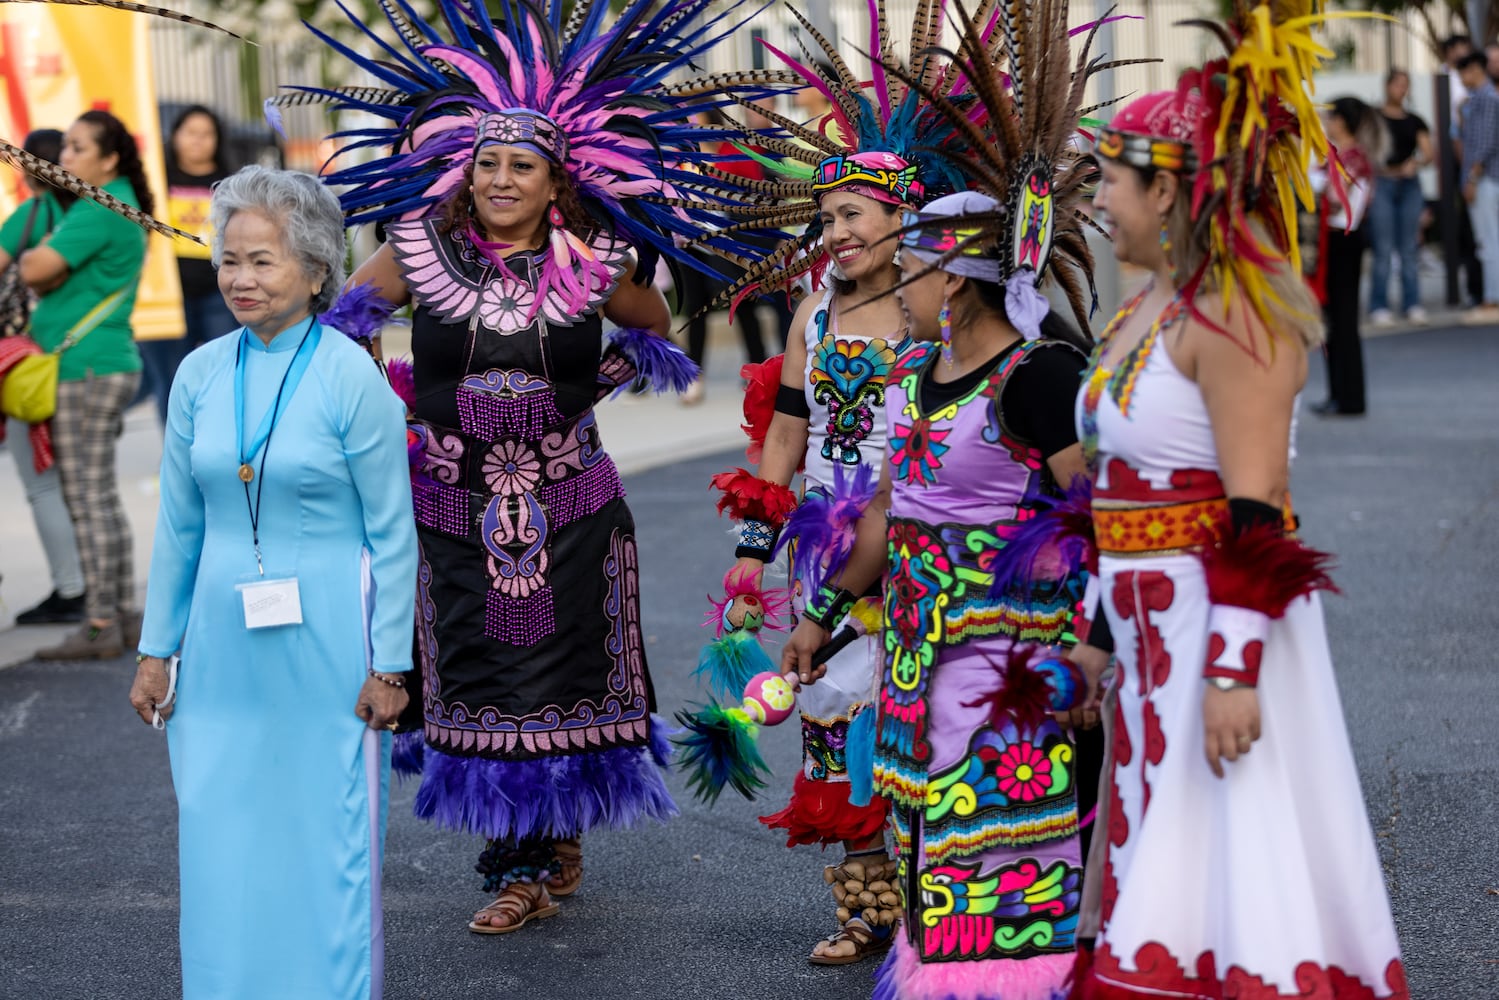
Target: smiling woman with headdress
x=1226, y=688
x=526, y=195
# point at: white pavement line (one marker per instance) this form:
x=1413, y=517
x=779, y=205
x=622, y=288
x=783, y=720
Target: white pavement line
x=13, y=717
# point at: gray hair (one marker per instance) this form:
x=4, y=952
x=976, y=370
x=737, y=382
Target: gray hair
x=306, y=212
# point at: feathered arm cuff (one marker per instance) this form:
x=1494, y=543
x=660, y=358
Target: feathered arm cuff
x=749, y=498
x=825, y=525
x=359, y=312
x=1254, y=571
x=656, y=359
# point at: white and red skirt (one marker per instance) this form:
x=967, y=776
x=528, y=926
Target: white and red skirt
x=1261, y=885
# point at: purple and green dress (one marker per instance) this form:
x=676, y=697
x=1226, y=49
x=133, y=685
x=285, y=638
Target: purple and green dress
x=536, y=699
x=985, y=816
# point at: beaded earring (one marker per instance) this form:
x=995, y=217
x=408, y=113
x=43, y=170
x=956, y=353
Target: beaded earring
x=944, y=319
x=554, y=216
x=1167, y=246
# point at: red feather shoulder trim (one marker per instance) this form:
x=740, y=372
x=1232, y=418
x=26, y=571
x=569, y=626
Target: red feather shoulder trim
x=749, y=498
x=762, y=382
x=1261, y=568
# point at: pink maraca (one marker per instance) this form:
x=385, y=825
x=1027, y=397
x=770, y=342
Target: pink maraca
x=769, y=698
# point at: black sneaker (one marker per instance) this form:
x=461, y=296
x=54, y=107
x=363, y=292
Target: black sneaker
x=55, y=610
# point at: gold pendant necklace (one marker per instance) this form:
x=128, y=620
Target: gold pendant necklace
x=246, y=473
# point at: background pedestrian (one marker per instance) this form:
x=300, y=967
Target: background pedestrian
x=86, y=274
x=1395, y=213
x=31, y=446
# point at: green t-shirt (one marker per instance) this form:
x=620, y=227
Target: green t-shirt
x=104, y=253
x=48, y=212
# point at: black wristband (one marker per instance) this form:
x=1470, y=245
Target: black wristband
x=829, y=606
x=793, y=403
x=1246, y=514
x=757, y=540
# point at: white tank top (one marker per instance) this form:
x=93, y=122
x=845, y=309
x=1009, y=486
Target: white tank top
x=845, y=387
x=1166, y=430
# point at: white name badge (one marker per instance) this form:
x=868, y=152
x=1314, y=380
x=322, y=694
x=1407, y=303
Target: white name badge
x=270, y=603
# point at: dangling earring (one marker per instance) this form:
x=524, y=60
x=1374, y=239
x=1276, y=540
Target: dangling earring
x=944, y=320
x=1167, y=246
x=554, y=216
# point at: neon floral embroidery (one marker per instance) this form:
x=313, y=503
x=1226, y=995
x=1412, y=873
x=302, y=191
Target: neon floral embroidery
x=917, y=450
x=848, y=377
x=1024, y=772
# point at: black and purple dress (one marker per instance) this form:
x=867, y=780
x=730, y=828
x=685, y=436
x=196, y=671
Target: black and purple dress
x=536, y=698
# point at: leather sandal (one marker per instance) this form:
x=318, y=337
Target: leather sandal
x=518, y=904
x=570, y=859
x=868, y=909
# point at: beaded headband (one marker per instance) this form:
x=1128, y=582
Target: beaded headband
x=931, y=237
x=524, y=128
x=942, y=235
x=882, y=176
x=1155, y=132
x=1147, y=152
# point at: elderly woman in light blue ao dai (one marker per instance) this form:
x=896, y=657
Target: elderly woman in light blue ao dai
x=284, y=573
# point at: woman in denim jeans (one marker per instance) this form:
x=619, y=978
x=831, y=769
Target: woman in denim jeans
x=1395, y=215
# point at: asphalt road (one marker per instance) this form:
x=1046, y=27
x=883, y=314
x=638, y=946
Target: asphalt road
x=712, y=905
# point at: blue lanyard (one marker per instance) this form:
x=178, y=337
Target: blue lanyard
x=288, y=388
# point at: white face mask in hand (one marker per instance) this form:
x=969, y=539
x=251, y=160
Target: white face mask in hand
x=157, y=722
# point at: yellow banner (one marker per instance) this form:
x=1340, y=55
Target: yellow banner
x=58, y=62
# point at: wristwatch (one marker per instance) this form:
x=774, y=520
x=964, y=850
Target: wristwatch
x=1227, y=683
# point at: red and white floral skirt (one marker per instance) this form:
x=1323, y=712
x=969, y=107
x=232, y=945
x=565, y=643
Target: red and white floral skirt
x=1261, y=885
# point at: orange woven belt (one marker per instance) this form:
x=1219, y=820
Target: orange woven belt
x=1167, y=528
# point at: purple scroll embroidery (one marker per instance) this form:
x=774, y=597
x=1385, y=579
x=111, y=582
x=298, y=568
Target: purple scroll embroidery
x=518, y=607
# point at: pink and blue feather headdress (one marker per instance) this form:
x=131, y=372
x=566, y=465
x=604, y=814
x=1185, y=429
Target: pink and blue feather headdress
x=881, y=138
x=624, y=135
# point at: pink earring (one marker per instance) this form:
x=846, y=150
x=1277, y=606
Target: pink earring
x=555, y=217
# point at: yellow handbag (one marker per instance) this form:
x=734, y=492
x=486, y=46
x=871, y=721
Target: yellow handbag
x=29, y=392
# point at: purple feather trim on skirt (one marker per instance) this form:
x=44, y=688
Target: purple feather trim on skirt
x=559, y=796
x=406, y=754
x=657, y=360
x=825, y=523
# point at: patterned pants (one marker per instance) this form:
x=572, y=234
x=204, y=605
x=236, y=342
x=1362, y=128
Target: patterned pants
x=90, y=417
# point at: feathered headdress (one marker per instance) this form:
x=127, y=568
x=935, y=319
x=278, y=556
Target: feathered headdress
x=1020, y=221
x=1241, y=131
x=590, y=93
x=882, y=138
x=54, y=175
